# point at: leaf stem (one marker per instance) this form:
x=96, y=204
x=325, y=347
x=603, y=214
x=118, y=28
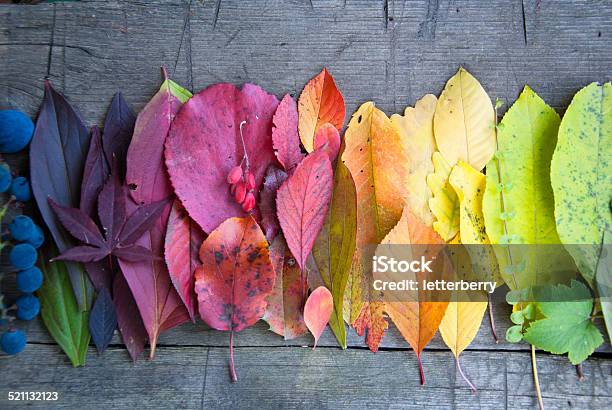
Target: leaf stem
x=246, y=156
x=472, y=387
x=233, y=374
x=579, y=372
x=536, y=380
x=492, y=320
x=421, y=373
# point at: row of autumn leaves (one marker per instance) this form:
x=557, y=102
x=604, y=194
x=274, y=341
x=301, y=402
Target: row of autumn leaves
x=403, y=179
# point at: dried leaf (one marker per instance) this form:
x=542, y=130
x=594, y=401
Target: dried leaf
x=317, y=311
x=285, y=303
x=464, y=122
x=416, y=130
x=182, y=243
x=302, y=202
x=57, y=157
x=267, y=201
x=235, y=278
x=285, y=138
x=207, y=131
x=319, y=103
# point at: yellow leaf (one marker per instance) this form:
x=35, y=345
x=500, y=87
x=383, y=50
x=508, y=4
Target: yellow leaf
x=374, y=154
x=416, y=129
x=444, y=204
x=464, y=123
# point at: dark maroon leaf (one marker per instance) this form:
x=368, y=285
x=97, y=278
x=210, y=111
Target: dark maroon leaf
x=95, y=173
x=79, y=224
x=83, y=254
x=118, y=130
x=267, y=201
x=57, y=158
x=132, y=328
x=141, y=221
x=102, y=320
x=133, y=253
x=111, y=208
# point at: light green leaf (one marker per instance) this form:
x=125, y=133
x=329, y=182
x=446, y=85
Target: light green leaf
x=518, y=202
x=603, y=281
x=179, y=92
x=567, y=326
x=581, y=175
x=66, y=323
x=335, y=246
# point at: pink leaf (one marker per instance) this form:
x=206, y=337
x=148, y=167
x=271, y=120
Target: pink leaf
x=328, y=134
x=302, y=203
x=183, y=240
x=285, y=138
x=317, y=311
x=204, y=144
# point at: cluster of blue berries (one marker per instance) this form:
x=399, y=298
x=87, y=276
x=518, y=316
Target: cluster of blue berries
x=16, y=130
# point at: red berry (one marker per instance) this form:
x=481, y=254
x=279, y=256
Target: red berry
x=240, y=192
x=249, y=202
x=234, y=175
x=250, y=180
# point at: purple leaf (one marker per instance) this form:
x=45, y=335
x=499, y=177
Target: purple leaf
x=111, y=208
x=79, y=224
x=141, y=221
x=102, y=320
x=83, y=254
x=133, y=253
x=267, y=201
x=118, y=130
x=95, y=173
x=57, y=158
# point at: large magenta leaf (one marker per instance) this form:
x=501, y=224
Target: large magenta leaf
x=183, y=240
x=302, y=203
x=57, y=158
x=159, y=304
x=204, y=144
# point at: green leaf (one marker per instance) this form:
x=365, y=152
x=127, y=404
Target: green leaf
x=581, y=175
x=60, y=312
x=514, y=334
x=179, y=92
x=335, y=246
x=518, y=202
x=567, y=326
x=603, y=281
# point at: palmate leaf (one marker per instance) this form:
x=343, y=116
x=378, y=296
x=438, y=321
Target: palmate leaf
x=581, y=175
x=518, y=204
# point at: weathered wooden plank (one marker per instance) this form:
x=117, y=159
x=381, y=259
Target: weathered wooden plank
x=197, y=377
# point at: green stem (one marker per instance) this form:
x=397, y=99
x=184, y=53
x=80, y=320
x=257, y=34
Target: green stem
x=536, y=380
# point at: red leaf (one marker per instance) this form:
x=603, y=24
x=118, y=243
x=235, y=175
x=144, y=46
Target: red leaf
x=204, y=144
x=302, y=203
x=317, y=311
x=373, y=320
x=285, y=303
x=328, y=134
x=267, y=201
x=285, y=138
x=235, y=277
x=183, y=240
x=160, y=306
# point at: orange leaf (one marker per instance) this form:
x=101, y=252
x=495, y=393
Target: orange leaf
x=417, y=320
x=317, y=311
x=372, y=319
x=319, y=103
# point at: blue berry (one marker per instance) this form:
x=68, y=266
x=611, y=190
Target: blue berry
x=5, y=178
x=37, y=238
x=21, y=228
x=28, y=307
x=16, y=130
x=20, y=189
x=23, y=256
x=29, y=280
x=13, y=341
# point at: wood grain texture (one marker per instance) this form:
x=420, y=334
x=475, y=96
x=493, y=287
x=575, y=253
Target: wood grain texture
x=388, y=51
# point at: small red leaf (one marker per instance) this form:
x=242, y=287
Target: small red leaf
x=183, y=240
x=317, y=311
x=285, y=138
x=235, y=277
x=267, y=201
x=328, y=134
x=302, y=203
